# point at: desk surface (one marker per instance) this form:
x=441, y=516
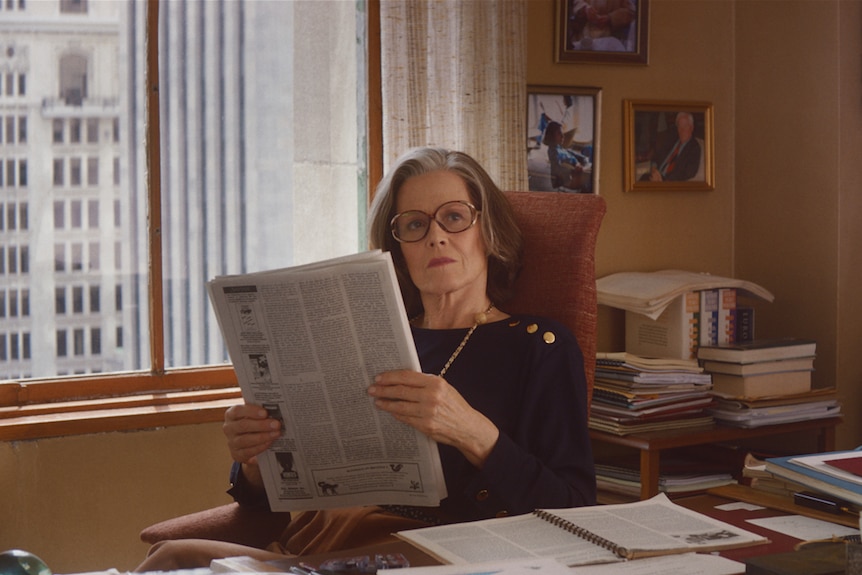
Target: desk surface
x=705, y=504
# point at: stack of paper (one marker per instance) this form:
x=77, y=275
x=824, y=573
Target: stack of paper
x=837, y=473
x=771, y=410
x=649, y=293
x=634, y=394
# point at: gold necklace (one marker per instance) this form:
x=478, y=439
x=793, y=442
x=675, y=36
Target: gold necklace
x=481, y=318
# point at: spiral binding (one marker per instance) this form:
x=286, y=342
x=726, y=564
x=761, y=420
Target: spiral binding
x=567, y=525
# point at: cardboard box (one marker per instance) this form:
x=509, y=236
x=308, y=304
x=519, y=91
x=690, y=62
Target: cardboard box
x=674, y=334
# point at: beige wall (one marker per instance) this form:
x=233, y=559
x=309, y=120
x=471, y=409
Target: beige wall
x=783, y=76
x=786, y=211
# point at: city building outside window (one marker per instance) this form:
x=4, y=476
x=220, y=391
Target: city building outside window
x=250, y=173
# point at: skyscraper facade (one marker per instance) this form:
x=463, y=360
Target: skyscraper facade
x=261, y=144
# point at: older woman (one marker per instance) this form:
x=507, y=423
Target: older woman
x=504, y=396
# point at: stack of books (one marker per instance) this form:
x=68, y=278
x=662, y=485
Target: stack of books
x=669, y=313
x=836, y=475
x=679, y=476
x=633, y=394
x=755, y=475
x=766, y=382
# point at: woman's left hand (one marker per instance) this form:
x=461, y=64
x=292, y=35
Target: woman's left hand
x=431, y=405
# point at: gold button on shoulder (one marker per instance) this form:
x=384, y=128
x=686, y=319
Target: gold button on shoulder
x=532, y=328
x=549, y=337
x=482, y=495
x=502, y=513
x=514, y=323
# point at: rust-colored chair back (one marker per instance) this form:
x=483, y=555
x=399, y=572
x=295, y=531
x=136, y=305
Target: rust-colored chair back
x=558, y=279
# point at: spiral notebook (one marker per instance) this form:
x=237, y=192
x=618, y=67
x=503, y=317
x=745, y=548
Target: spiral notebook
x=583, y=535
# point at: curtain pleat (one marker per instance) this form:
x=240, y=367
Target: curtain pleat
x=454, y=75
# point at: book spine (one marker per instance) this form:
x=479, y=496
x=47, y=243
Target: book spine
x=726, y=315
x=744, y=324
x=709, y=317
x=692, y=318
x=581, y=532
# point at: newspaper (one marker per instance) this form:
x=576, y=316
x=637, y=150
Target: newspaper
x=306, y=342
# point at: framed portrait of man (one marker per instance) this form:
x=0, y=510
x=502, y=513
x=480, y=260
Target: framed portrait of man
x=668, y=146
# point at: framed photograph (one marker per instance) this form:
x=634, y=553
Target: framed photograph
x=602, y=31
x=563, y=139
x=668, y=146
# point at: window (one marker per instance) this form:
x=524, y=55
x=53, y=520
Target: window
x=58, y=126
x=92, y=171
x=76, y=217
x=13, y=259
x=95, y=341
x=233, y=156
x=60, y=300
x=78, y=341
x=59, y=257
x=73, y=6
x=73, y=83
x=59, y=214
x=59, y=170
x=92, y=130
x=77, y=299
x=95, y=303
x=22, y=129
x=75, y=171
x=75, y=131
x=61, y=343
x=93, y=214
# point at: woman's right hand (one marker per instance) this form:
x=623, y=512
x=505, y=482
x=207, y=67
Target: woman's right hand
x=249, y=431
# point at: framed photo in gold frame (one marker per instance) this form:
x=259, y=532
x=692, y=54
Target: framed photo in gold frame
x=602, y=31
x=668, y=146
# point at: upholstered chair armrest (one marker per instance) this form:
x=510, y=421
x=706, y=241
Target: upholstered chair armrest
x=230, y=522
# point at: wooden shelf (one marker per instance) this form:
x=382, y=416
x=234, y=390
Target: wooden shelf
x=653, y=443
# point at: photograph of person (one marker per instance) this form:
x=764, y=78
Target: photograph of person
x=561, y=140
x=602, y=31
x=669, y=145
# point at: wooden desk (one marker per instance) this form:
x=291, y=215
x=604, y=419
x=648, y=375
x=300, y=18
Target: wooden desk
x=706, y=504
x=652, y=444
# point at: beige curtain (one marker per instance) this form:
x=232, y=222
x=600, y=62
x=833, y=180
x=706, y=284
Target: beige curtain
x=454, y=75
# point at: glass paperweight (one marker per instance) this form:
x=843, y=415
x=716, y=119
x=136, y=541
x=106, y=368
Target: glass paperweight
x=18, y=562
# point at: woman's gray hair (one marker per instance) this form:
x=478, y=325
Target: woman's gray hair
x=503, y=240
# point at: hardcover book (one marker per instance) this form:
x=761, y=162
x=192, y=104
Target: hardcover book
x=761, y=367
x=762, y=385
x=759, y=350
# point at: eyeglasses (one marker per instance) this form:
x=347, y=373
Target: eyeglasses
x=454, y=217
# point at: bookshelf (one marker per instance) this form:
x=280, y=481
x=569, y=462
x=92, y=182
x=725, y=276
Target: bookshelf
x=652, y=444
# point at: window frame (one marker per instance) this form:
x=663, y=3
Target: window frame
x=158, y=397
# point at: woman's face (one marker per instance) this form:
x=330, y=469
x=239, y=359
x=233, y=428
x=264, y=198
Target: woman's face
x=443, y=263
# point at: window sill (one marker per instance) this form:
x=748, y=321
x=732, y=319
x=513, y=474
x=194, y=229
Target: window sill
x=178, y=399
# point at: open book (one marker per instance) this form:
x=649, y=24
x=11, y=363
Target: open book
x=306, y=342
x=584, y=535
